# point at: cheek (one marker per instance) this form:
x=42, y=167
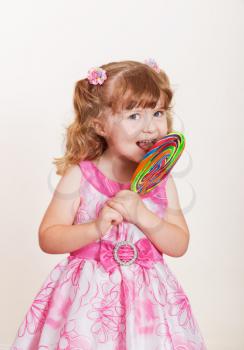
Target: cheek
x=163, y=128
x=132, y=132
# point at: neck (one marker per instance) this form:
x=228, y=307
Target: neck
x=118, y=168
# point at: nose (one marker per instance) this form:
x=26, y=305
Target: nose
x=148, y=123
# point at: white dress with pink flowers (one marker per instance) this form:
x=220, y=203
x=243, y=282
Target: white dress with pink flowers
x=102, y=298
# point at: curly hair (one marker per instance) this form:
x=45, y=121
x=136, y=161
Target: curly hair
x=129, y=84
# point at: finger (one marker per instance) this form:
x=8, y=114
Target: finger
x=112, y=202
x=116, y=206
x=121, y=209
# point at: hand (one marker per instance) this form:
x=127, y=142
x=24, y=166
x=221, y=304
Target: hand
x=129, y=204
x=106, y=218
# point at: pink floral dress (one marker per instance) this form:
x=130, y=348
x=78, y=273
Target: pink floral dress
x=88, y=304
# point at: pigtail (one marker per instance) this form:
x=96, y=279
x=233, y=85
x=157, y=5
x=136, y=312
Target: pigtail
x=82, y=141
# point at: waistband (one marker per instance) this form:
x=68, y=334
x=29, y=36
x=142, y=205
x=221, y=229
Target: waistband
x=124, y=253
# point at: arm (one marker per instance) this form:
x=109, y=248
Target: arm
x=57, y=235
x=60, y=239
x=169, y=235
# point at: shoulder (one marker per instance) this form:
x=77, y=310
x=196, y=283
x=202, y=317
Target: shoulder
x=65, y=201
x=71, y=179
x=174, y=213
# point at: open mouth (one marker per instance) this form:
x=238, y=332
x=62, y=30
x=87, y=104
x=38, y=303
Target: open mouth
x=146, y=145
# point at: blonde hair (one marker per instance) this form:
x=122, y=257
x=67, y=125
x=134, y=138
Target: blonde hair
x=129, y=84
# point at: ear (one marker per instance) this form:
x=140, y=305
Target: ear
x=98, y=127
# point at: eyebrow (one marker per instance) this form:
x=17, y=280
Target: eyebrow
x=160, y=107
x=141, y=109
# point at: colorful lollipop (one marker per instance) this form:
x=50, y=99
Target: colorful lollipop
x=157, y=162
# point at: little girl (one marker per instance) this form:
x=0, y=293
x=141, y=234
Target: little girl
x=114, y=290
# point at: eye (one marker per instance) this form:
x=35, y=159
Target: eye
x=132, y=115
x=161, y=113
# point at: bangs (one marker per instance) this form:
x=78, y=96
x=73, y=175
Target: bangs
x=138, y=88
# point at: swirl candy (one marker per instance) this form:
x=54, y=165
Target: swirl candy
x=157, y=162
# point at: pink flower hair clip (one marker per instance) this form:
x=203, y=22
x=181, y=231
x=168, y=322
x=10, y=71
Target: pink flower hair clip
x=153, y=64
x=96, y=76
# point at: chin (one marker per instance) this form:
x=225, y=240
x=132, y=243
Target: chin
x=139, y=158
x=134, y=159
x=134, y=155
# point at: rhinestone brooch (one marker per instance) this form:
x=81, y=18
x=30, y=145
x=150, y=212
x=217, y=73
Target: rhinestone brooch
x=117, y=258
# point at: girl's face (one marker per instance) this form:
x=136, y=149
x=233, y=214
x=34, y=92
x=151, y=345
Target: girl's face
x=123, y=131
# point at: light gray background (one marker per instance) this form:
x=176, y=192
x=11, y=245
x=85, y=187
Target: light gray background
x=48, y=45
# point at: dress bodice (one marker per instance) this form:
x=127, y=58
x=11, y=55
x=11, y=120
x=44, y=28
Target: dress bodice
x=96, y=188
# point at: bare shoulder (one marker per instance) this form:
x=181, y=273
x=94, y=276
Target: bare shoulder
x=174, y=213
x=70, y=181
x=65, y=200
